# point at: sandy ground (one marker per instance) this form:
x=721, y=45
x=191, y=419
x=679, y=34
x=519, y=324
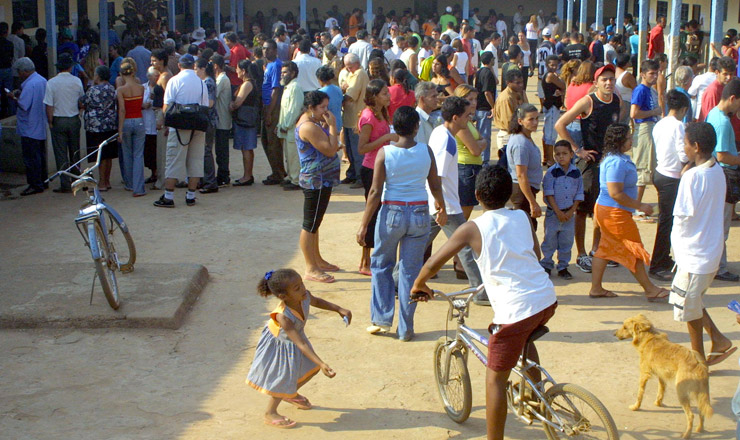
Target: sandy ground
x=189, y=383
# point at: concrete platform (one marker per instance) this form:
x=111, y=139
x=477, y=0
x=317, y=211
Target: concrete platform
x=54, y=296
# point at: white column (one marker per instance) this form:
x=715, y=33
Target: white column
x=674, y=39
x=560, y=11
x=240, y=15
x=217, y=14
x=466, y=9
x=599, y=15
x=583, y=28
x=171, y=16
x=644, y=32
x=569, y=22
x=233, y=14
x=717, y=25
x=369, y=16
x=620, y=17
x=302, y=13
x=103, y=8
x=51, y=36
x=196, y=13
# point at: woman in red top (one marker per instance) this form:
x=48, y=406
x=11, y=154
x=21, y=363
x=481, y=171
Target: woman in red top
x=131, y=131
x=401, y=93
x=579, y=86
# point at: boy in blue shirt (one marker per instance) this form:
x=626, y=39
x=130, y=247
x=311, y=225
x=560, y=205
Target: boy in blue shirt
x=645, y=111
x=562, y=188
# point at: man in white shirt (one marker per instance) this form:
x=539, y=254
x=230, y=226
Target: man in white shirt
x=493, y=48
x=307, y=67
x=426, y=103
x=502, y=30
x=444, y=146
x=451, y=31
x=361, y=48
x=518, y=20
x=185, y=148
x=336, y=37
x=63, y=114
x=698, y=241
x=700, y=84
x=291, y=106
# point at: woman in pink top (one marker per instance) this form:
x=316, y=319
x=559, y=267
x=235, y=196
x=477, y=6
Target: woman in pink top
x=579, y=86
x=400, y=91
x=375, y=133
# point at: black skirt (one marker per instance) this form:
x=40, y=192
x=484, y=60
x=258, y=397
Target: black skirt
x=110, y=151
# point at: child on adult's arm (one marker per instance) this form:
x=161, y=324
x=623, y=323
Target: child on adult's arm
x=520, y=292
x=697, y=238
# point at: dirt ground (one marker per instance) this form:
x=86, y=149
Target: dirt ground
x=189, y=383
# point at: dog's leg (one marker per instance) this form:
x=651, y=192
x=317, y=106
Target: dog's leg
x=640, y=391
x=683, y=398
x=661, y=392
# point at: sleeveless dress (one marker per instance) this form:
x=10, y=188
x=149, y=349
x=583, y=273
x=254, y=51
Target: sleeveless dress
x=317, y=170
x=279, y=366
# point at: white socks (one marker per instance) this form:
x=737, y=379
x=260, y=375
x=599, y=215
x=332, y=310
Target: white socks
x=169, y=195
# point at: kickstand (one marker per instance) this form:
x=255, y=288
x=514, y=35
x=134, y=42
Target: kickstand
x=92, y=290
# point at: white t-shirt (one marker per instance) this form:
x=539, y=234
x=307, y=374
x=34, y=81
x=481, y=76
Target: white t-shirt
x=697, y=236
x=362, y=49
x=462, y=60
x=517, y=286
x=668, y=134
x=444, y=147
x=337, y=40
x=424, y=54
x=532, y=34
x=63, y=92
x=501, y=27
x=698, y=87
x=453, y=35
x=186, y=88
x=494, y=50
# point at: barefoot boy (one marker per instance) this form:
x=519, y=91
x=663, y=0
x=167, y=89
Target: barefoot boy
x=698, y=239
x=519, y=290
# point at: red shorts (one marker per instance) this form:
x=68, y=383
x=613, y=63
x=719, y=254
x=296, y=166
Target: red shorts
x=506, y=345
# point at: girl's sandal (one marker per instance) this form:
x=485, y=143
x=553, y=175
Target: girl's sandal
x=282, y=423
x=299, y=402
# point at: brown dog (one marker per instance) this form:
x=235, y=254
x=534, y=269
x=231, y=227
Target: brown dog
x=662, y=358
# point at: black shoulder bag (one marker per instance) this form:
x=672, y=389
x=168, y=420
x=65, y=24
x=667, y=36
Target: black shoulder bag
x=187, y=117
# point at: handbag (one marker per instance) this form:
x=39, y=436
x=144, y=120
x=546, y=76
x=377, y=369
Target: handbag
x=192, y=117
x=247, y=116
x=732, y=177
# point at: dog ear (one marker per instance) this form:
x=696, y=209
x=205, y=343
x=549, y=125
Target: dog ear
x=642, y=327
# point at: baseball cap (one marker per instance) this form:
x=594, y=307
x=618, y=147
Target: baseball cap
x=448, y=9
x=187, y=60
x=604, y=68
x=546, y=32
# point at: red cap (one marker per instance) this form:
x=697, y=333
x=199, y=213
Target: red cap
x=605, y=68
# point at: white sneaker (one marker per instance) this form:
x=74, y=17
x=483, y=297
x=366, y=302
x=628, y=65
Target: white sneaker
x=378, y=329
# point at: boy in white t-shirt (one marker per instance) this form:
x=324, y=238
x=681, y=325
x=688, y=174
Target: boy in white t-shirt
x=520, y=292
x=698, y=239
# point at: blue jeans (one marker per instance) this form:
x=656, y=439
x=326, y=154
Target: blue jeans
x=483, y=124
x=351, y=139
x=132, y=148
x=574, y=130
x=467, y=258
x=406, y=227
x=558, y=236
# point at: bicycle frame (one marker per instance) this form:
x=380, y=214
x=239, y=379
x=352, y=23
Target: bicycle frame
x=465, y=338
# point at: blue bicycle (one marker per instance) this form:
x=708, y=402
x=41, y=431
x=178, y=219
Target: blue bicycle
x=103, y=229
x=565, y=410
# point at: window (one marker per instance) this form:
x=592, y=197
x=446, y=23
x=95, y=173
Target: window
x=684, y=12
x=662, y=10
x=62, y=9
x=724, y=13
x=82, y=10
x=26, y=12
x=696, y=12
x=636, y=10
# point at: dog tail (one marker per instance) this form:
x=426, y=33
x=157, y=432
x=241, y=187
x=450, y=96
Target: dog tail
x=702, y=394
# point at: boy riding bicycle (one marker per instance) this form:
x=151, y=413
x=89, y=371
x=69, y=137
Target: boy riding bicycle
x=521, y=294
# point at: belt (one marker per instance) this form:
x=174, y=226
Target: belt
x=393, y=202
x=562, y=209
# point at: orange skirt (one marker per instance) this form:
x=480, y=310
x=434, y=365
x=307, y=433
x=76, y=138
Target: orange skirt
x=620, y=238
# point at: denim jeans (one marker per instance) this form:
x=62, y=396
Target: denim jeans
x=406, y=227
x=483, y=124
x=132, y=146
x=34, y=159
x=574, y=130
x=209, y=170
x=65, y=138
x=467, y=258
x=558, y=236
x=351, y=139
x=667, y=191
x=729, y=207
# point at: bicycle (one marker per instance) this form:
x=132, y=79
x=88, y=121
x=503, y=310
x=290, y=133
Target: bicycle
x=565, y=410
x=103, y=230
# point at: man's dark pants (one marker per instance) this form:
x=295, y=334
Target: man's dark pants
x=272, y=145
x=34, y=159
x=211, y=179
x=667, y=188
x=65, y=138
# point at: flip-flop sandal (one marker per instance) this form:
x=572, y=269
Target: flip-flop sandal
x=608, y=294
x=365, y=272
x=284, y=423
x=720, y=356
x=332, y=268
x=300, y=402
x=661, y=297
x=324, y=278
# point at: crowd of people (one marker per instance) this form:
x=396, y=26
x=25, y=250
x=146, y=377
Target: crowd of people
x=411, y=108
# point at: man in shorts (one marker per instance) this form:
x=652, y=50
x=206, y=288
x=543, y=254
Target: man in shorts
x=645, y=112
x=520, y=292
x=698, y=240
x=597, y=110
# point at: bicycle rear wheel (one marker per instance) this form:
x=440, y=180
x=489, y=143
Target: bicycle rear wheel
x=583, y=415
x=455, y=390
x=121, y=243
x=104, y=266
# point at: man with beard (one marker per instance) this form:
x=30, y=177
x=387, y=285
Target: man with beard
x=291, y=105
x=271, y=91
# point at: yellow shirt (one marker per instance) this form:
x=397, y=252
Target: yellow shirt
x=357, y=83
x=464, y=156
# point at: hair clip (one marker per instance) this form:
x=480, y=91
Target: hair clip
x=268, y=275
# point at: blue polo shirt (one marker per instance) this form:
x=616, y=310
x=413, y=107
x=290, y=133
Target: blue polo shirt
x=31, y=112
x=725, y=134
x=617, y=168
x=647, y=99
x=271, y=80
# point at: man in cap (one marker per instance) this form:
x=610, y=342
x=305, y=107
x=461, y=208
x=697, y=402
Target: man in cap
x=185, y=148
x=63, y=114
x=597, y=110
x=31, y=124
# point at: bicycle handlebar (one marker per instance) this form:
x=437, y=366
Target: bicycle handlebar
x=450, y=296
x=97, y=151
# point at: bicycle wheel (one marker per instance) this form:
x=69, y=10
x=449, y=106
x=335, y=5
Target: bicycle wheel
x=583, y=415
x=121, y=243
x=104, y=266
x=455, y=391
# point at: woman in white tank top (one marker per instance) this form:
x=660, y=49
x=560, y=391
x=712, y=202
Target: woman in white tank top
x=460, y=59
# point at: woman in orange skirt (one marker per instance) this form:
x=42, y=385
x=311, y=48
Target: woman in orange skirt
x=620, y=238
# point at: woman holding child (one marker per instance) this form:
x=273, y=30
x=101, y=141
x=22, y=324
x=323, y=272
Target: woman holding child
x=620, y=238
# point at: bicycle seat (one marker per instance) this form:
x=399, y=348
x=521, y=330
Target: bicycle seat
x=537, y=333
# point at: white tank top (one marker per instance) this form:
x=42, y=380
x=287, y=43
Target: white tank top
x=406, y=172
x=405, y=56
x=462, y=60
x=516, y=284
x=624, y=92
